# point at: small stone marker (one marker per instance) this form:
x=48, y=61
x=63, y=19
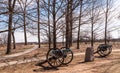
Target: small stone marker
x=89, y=55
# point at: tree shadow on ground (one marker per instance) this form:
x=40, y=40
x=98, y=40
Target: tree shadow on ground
x=44, y=68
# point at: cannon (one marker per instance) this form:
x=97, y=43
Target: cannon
x=57, y=57
x=104, y=50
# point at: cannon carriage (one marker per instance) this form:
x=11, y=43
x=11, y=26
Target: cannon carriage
x=57, y=57
x=104, y=50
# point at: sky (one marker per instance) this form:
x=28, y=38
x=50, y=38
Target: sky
x=115, y=22
x=19, y=36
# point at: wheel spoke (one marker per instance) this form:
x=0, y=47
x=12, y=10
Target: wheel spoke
x=53, y=60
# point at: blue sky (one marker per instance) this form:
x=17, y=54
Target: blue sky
x=115, y=22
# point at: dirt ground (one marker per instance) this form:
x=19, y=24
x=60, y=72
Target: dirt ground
x=109, y=64
x=19, y=48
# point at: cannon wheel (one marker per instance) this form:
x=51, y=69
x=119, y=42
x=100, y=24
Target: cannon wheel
x=68, y=56
x=53, y=60
x=104, y=52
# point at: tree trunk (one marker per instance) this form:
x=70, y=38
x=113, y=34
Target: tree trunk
x=10, y=31
x=92, y=32
x=106, y=21
x=49, y=36
x=67, y=26
x=38, y=11
x=25, y=33
x=78, y=38
x=14, y=45
x=11, y=8
x=92, y=25
x=71, y=21
x=54, y=24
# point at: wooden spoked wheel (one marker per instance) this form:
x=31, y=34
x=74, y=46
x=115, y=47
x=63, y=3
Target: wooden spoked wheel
x=67, y=55
x=104, y=51
x=53, y=58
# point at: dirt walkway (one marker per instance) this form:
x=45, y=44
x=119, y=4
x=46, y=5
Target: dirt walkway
x=19, y=54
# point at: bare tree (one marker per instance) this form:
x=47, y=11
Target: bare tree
x=24, y=20
x=24, y=13
x=11, y=9
x=71, y=21
x=49, y=24
x=38, y=11
x=68, y=23
x=54, y=23
x=106, y=20
x=80, y=15
x=92, y=23
x=95, y=13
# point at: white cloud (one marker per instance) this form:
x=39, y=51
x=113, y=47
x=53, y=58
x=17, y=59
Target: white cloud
x=19, y=36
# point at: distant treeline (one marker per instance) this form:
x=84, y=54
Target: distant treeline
x=98, y=40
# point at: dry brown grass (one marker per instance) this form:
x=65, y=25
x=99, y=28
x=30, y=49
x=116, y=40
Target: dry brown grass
x=44, y=47
x=109, y=64
x=19, y=48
